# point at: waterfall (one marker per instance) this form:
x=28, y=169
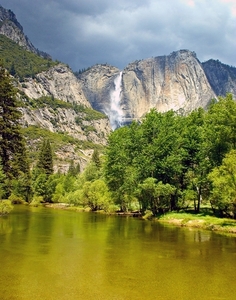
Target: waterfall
x=116, y=113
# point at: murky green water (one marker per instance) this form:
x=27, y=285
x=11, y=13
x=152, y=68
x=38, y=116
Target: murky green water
x=54, y=254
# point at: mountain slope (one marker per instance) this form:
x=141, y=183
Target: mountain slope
x=53, y=103
x=221, y=77
x=11, y=28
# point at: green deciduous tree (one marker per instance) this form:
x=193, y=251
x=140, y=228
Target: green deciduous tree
x=221, y=129
x=196, y=161
x=155, y=196
x=96, y=195
x=223, y=179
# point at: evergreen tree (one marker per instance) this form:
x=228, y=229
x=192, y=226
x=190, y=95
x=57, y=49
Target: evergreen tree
x=12, y=143
x=45, y=161
x=2, y=182
x=96, y=158
x=73, y=170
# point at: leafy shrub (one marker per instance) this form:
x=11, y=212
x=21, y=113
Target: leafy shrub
x=5, y=207
x=91, y=114
x=36, y=201
x=50, y=101
x=16, y=199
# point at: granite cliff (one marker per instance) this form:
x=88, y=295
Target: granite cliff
x=178, y=81
x=221, y=77
x=54, y=101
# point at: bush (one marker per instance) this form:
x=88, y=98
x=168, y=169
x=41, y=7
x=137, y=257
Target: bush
x=5, y=207
x=36, y=201
x=14, y=199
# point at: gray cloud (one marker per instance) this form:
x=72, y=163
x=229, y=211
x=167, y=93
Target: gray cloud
x=82, y=33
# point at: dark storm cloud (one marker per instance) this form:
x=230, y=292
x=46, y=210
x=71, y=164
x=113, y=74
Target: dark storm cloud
x=83, y=33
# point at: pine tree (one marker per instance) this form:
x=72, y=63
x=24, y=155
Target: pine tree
x=73, y=170
x=2, y=181
x=96, y=158
x=12, y=143
x=45, y=161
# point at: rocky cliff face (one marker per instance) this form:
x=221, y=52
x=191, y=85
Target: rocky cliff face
x=59, y=82
x=98, y=84
x=221, y=77
x=176, y=81
x=11, y=28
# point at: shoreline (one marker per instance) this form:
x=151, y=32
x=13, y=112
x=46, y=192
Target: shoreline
x=182, y=219
x=198, y=221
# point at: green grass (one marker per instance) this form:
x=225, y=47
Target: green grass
x=201, y=220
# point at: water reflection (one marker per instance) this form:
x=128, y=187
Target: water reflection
x=51, y=254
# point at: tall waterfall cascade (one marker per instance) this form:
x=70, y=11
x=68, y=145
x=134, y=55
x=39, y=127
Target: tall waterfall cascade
x=116, y=114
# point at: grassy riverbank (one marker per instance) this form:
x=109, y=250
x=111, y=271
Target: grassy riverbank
x=201, y=220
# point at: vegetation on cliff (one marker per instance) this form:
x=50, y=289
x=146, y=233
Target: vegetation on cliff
x=20, y=62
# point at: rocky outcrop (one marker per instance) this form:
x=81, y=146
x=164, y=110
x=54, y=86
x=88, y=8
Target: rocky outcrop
x=97, y=83
x=175, y=82
x=62, y=120
x=11, y=28
x=221, y=77
x=59, y=82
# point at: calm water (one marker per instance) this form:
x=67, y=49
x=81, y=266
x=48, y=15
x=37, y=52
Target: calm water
x=54, y=254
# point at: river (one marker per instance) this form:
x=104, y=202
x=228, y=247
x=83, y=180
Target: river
x=56, y=254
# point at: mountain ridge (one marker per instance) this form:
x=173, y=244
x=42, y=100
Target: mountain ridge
x=10, y=27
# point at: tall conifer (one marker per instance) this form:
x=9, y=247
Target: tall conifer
x=12, y=143
x=45, y=161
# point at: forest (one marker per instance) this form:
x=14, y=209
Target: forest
x=167, y=162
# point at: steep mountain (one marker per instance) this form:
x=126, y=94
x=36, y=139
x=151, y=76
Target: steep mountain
x=11, y=28
x=221, y=77
x=176, y=81
x=53, y=103
x=98, y=85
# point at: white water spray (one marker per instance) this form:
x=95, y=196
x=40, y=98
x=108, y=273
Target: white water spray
x=116, y=114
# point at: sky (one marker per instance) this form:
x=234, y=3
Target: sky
x=82, y=33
